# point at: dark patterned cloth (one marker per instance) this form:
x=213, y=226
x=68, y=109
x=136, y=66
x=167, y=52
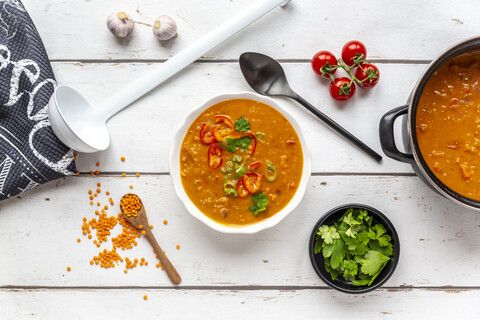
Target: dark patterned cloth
x=30, y=153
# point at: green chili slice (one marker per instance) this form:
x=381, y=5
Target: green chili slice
x=228, y=167
x=270, y=172
x=236, y=158
x=260, y=135
x=230, y=185
x=240, y=171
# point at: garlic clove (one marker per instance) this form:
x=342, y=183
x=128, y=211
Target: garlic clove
x=164, y=28
x=120, y=24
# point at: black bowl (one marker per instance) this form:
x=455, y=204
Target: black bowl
x=340, y=284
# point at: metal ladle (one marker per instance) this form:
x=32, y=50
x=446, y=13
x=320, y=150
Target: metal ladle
x=82, y=126
x=266, y=76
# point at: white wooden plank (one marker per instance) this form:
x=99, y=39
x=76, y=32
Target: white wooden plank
x=410, y=29
x=143, y=133
x=38, y=236
x=216, y=304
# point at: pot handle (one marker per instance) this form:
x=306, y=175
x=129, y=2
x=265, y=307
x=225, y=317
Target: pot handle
x=387, y=139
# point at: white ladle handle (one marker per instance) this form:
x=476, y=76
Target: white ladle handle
x=188, y=55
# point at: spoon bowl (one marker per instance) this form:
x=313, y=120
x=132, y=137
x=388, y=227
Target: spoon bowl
x=76, y=122
x=264, y=75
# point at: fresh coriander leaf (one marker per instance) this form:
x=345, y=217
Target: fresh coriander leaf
x=260, y=199
x=328, y=233
x=379, y=229
x=327, y=250
x=329, y=269
x=352, y=243
x=371, y=234
x=242, y=125
x=360, y=282
x=242, y=143
x=350, y=220
x=359, y=258
x=362, y=248
x=384, y=240
x=350, y=269
x=350, y=210
x=374, y=262
x=352, y=231
x=385, y=250
x=375, y=276
x=337, y=252
x=362, y=214
x=363, y=237
x=231, y=148
x=261, y=202
x=318, y=245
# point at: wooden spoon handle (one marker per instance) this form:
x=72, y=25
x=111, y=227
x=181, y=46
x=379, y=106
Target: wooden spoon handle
x=169, y=268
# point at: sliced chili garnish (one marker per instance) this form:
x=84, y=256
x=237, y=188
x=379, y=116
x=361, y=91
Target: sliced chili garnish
x=221, y=134
x=253, y=145
x=205, y=135
x=252, y=181
x=214, y=156
x=255, y=165
x=242, y=192
x=226, y=119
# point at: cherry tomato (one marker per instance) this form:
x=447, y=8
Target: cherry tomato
x=221, y=134
x=226, y=120
x=241, y=191
x=205, y=135
x=320, y=59
x=351, y=49
x=255, y=165
x=340, y=91
x=252, y=181
x=365, y=70
x=214, y=156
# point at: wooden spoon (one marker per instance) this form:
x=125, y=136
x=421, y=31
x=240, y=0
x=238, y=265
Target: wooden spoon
x=141, y=219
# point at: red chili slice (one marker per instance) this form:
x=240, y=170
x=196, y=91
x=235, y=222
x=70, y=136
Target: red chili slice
x=252, y=181
x=221, y=134
x=241, y=191
x=205, y=135
x=214, y=156
x=226, y=119
x=255, y=165
x=253, y=144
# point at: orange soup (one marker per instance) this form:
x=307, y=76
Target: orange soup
x=448, y=124
x=241, y=162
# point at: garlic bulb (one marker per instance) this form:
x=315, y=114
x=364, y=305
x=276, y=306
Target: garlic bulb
x=164, y=28
x=120, y=24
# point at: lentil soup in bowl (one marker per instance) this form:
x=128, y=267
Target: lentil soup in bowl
x=240, y=163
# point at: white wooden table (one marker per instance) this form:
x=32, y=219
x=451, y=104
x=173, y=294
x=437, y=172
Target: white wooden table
x=261, y=276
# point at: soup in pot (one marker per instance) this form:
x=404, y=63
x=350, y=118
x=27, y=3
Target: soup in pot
x=448, y=124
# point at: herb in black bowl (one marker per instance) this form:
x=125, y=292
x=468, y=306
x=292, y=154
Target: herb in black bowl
x=354, y=248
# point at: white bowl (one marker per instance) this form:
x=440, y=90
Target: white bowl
x=175, y=166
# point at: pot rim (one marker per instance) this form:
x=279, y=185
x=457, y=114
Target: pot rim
x=468, y=45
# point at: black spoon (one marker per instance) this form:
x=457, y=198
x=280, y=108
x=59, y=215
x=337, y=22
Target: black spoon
x=266, y=76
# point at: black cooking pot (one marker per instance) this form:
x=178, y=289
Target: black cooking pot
x=412, y=154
